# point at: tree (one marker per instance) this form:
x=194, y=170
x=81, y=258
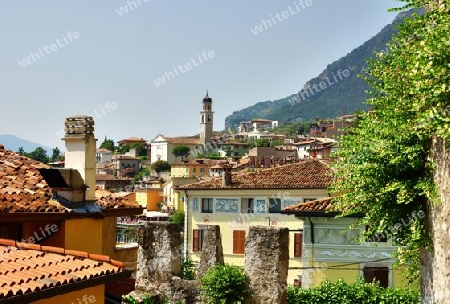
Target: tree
x=108, y=144
x=21, y=151
x=386, y=160
x=181, y=151
x=161, y=166
x=39, y=154
x=178, y=218
x=262, y=142
x=56, y=155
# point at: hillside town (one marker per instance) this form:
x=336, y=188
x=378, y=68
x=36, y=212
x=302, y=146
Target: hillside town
x=204, y=186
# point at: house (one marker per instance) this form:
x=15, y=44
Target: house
x=232, y=148
x=149, y=197
x=304, y=147
x=192, y=168
x=113, y=183
x=61, y=207
x=33, y=273
x=265, y=157
x=127, y=166
x=237, y=201
x=103, y=156
x=331, y=250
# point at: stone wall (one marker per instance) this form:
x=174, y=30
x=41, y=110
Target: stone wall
x=159, y=264
x=266, y=264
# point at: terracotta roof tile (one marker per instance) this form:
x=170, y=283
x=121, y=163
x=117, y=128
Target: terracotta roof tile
x=321, y=205
x=23, y=271
x=306, y=174
x=24, y=189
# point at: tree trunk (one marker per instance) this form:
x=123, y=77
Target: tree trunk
x=435, y=265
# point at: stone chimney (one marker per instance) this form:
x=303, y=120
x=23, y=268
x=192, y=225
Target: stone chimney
x=226, y=177
x=81, y=150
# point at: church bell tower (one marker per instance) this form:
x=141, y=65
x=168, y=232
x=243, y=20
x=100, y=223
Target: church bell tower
x=206, y=121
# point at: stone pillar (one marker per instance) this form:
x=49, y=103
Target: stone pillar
x=266, y=264
x=158, y=254
x=212, y=251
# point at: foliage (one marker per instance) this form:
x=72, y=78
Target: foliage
x=293, y=128
x=143, y=172
x=56, y=155
x=129, y=299
x=214, y=155
x=123, y=149
x=108, y=144
x=161, y=166
x=383, y=171
x=178, y=218
x=225, y=284
x=358, y=292
x=181, y=151
x=188, y=269
x=39, y=154
x=262, y=142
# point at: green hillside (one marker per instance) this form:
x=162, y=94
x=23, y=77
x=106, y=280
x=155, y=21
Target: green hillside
x=339, y=94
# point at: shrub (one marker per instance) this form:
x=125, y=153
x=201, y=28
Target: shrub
x=224, y=284
x=358, y=292
x=188, y=269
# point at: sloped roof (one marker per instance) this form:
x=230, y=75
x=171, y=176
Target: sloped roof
x=29, y=272
x=23, y=188
x=321, y=205
x=306, y=174
x=187, y=140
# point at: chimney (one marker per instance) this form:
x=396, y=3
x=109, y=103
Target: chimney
x=226, y=177
x=81, y=150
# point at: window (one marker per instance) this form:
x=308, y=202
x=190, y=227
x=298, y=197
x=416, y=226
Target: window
x=298, y=243
x=309, y=199
x=238, y=241
x=247, y=205
x=274, y=205
x=197, y=239
x=380, y=274
x=207, y=205
x=194, y=170
x=202, y=170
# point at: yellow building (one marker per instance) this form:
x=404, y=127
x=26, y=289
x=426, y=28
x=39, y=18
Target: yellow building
x=192, y=168
x=238, y=201
x=331, y=249
x=149, y=198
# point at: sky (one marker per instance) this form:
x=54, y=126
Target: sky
x=103, y=58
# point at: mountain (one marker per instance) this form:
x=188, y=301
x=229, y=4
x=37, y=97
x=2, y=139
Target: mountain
x=13, y=143
x=336, y=91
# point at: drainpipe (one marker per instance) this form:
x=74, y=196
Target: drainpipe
x=186, y=226
x=313, y=254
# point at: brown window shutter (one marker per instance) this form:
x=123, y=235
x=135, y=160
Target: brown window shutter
x=298, y=240
x=238, y=241
x=195, y=240
x=382, y=275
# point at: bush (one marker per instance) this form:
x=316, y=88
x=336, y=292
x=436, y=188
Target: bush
x=188, y=269
x=224, y=284
x=358, y=292
x=178, y=218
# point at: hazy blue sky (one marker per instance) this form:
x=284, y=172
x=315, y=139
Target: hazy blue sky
x=117, y=59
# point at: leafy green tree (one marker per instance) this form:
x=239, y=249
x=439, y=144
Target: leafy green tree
x=143, y=172
x=123, y=149
x=262, y=142
x=108, y=144
x=56, y=155
x=161, y=166
x=181, y=151
x=39, y=154
x=188, y=269
x=384, y=169
x=21, y=151
x=225, y=284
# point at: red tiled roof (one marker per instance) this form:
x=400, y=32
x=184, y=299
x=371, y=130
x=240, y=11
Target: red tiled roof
x=306, y=174
x=108, y=200
x=321, y=205
x=132, y=139
x=30, y=269
x=103, y=150
x=110, y=177
x=23, y=188
x=193, y=140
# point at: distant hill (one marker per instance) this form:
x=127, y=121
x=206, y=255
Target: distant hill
x=13, y=143
x=328, y=95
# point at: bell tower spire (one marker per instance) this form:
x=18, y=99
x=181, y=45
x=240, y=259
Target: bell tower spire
x=206, y=121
